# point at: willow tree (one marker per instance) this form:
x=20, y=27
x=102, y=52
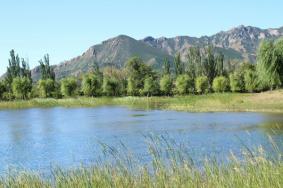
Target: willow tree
x=270, y=64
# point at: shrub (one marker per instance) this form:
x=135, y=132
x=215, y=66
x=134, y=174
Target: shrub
x=202, y=85
x=220, y=84
x=69, y=87
x=184, y=84
x=166, y=84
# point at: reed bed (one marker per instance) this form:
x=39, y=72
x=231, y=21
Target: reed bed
x=169, y=166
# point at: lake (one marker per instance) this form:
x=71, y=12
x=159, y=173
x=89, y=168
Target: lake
x=39, y=138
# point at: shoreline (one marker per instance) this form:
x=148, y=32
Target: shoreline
x=270, y=101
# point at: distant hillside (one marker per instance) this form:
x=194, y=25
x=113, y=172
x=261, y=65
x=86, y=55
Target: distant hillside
x=238, y=43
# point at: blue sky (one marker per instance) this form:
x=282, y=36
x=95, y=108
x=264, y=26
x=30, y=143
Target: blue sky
x=66, y=28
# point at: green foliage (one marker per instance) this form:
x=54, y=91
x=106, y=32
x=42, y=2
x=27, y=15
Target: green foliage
x=111, y=87
x=132, y=89
x=13, y=70
x=194, y=62
x=237, y=83
x=150, y=87
x=137, y=78
x=270, y=64
x=279, y=60
x=137, y=71
x=69, y=87
x=91, y=85
x=184, y=84
x=209, y=64
x=166, y=66
x=17, y=68
x=7, y=96
x=46, y=70
x=220, y=84
x=21, y=87
x=201, y=84
x=46, y=88
x=179, y=66
x=166, y=84
x=2, y=89
x=251, y=82
x=220, y=64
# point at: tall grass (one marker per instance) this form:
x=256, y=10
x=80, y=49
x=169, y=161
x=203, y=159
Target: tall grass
x=170, y=166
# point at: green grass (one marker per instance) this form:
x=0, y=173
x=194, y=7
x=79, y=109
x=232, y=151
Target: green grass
x=260, y=102
x=174, y=169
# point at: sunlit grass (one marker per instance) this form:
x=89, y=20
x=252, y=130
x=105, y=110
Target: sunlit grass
x=260, y=102
x=170, y=165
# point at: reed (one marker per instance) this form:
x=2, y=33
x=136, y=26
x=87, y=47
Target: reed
x=170, y=166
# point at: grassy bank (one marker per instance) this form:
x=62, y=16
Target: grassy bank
x=174, y=169
x=271, y=101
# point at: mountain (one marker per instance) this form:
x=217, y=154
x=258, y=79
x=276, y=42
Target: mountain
x=238, y=43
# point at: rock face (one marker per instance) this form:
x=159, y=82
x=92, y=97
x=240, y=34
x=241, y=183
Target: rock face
x=238, y=43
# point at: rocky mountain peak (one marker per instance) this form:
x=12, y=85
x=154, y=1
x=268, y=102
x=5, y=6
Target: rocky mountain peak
x=239, y=43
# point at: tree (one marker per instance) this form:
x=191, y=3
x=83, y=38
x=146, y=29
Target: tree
x=150, y=87
x=111, y=86
x=46, y=88
x=166, y=84
x=132, y=88
x=194, y=62
x=250, y=79
x=166, y=66
x=21, y=87
x=220, y=84
x=220, y=63
x=137, y=71
x=201, y=84
x=278, y=65
x=17, y=68
x=237, y=83
x=209, y=65
x=47, y=72
x=270, y=64
x=179, y=66
x=13, y=70
x=184, y=84
x=118, y=75
x=91, y=85
x=2, y=89
x=69, y=87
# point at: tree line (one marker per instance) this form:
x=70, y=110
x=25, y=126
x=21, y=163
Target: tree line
x=203, y=72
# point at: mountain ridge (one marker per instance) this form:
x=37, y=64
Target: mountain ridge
x=238, y=43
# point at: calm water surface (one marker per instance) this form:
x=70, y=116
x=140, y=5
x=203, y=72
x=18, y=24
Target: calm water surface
x=39, y=138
